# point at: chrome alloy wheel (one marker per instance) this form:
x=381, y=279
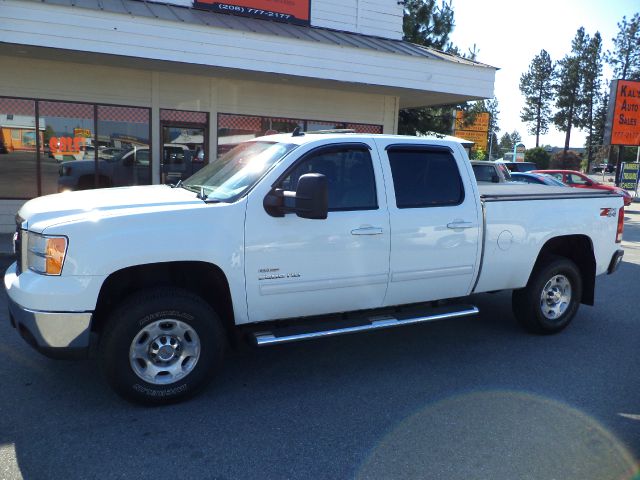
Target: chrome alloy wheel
x=164, y=351
x=555, y=297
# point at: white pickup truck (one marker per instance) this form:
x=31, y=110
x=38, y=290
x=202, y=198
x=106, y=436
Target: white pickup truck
x=290, y=237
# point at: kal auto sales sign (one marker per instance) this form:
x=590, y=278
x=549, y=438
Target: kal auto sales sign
x=289, y=11
x=623, y=119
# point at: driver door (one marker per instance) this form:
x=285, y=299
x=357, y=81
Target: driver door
x=300, y=267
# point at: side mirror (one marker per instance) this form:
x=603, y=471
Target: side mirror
x=589, y=183
x=495, y=179
x=310, y=200
x=312, y=197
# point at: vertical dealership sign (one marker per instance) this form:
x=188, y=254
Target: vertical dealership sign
x=623, y=119
x=289, y=11
x=476, y=131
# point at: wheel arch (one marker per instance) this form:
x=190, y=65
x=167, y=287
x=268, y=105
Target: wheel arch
x=578, y=249
x=204, y=279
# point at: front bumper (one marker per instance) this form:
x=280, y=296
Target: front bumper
x=54, y=334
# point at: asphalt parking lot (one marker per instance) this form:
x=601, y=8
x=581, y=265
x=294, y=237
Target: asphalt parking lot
x=473, y=398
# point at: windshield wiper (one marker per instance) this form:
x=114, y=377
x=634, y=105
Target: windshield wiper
x=176, y=185
x=201, y=195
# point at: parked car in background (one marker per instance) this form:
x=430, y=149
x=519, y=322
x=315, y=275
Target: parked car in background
x=490, y=172
x=536, y=178
x=604, y=167
x=130, y=167
x=576, y=179
x=519, y=166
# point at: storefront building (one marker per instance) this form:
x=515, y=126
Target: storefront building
x=101, y=93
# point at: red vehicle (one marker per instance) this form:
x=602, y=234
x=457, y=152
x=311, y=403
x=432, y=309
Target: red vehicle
x=580, y=180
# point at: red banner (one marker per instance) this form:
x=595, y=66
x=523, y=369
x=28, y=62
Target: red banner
x=289, y=11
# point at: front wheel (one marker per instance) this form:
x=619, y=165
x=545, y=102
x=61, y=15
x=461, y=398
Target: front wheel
x=161, y=346
x=551, y=298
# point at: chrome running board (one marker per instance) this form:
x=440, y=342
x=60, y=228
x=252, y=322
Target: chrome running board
x=372, y=323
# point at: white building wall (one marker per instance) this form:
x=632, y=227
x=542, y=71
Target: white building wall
x=382, y=18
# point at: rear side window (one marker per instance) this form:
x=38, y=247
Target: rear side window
x=425, y=178
x=485, y=173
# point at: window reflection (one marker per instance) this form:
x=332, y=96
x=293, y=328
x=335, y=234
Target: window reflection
x=68, y=137
x=18, y=160
x=123, y=146
x=234, y=129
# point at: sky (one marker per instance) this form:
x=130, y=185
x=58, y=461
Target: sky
x=509, y=33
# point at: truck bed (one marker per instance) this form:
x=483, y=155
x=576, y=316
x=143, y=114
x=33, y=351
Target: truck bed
x=514, y=232
x=500, y=192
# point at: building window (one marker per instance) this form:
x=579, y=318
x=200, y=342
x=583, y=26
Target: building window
x=123, y=146
x=69, y=146
x=185, y=144
x=81, y=146
x=18, y=157
x=234, y=129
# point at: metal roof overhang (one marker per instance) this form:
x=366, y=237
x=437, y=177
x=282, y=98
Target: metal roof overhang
x=138, y=34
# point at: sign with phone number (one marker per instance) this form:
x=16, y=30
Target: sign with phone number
x=289, y=11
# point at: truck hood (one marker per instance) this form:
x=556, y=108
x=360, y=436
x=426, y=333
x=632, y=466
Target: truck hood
x=50, y=210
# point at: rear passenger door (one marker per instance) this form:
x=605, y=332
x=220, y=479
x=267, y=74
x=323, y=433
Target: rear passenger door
x=435, y=224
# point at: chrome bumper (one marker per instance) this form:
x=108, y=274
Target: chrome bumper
x=54, y=334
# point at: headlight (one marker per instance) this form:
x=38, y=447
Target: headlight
x=45, y=253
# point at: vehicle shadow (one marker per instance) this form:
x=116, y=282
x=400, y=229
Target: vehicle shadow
x=326, y=409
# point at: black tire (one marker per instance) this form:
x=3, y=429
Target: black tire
x=144, y=311
x=528, y=306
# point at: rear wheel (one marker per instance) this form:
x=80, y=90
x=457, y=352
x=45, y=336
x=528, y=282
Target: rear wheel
x=161, y=346
x=551, y=298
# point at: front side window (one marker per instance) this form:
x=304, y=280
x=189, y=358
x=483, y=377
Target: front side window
x=425, y=178
x=228, y=178
x=577, y=179
x=350, y=178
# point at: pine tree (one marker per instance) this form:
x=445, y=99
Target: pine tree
x=537, y=87
x=591, y=84
x=625, y=57
x=427, y=23
x=568, y=87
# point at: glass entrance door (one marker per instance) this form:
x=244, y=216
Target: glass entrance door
x=183, y=152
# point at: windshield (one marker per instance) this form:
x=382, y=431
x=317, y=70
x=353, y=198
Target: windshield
x=236, y=171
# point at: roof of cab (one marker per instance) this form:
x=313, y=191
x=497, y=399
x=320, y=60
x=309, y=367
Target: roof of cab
x=305, y=138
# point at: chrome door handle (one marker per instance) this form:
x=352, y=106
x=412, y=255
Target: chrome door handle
x=457, y=225
x=367, y=231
